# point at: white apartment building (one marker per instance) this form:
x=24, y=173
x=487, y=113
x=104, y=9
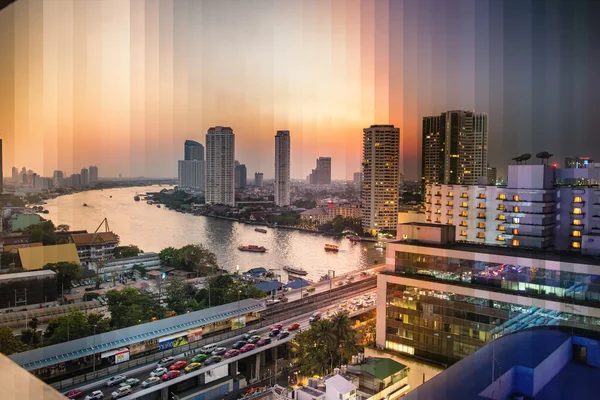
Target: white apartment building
x=379, y=192
x=282, y=168
x=191, y=174
x=220, y=166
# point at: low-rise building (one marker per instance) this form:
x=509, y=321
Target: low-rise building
x=344, y=210
x=93, y=247
x=26, y=288
x=315, y=215
x=34, y=258
x=149, y=261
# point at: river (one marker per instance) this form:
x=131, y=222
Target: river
x=153, y=229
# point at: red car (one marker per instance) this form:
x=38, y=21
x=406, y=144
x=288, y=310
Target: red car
x=232, y=353
x=178, y=365
x=293, y=327
x=74, y=394
x=171, y=375
x=277, y=326
x=248, y=347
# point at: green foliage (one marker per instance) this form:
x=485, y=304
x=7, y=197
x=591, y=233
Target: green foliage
x=43, y=232
x=10, y=200
x=177, y=200
x=140, y=269
x=129, y=307
x=66, y=273
x=193, y=257
x=63, y=228
x=288, y=219
x=9, y=259
x=75, y=325
x=127, y=251
x=9, y=344
x=31, y=337
x=308, y=204
x=180, y=296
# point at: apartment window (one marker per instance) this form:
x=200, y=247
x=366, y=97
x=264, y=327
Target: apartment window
x=576, y=222
x=516, y=198
x=577, y=211
x=501, y=207
x=464, y=204
x=516, y=220
x=481, y=215
x=576, y=245
x=449, y=221
x=577, y=199
x=481, y=225
x=480, y=235
x=501, y=196
x=464, y=195
x=438, y=220
x=463, y=223
x=500, y=227
x=450, y=194
x=438, y=212
x=463, y=233
x=576, y=233
x=449, y=212
x=463, y=214
x=438, y=203
x=516, y=209
x=515, y=242
x=515, y=231
x=500, y=238
x=481, y=196
x=501, y=217
x=482, y=205
x=450, y=204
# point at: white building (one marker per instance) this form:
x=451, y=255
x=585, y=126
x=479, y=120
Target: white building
x=282, y=168
x=379, y=192
x=220, y=166
x=191, y=174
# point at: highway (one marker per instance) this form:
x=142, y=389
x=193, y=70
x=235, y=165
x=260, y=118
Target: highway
x=143, y=372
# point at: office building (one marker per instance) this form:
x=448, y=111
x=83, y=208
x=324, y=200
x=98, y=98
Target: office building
x=193, y=150
x=258, y=179
x=578, y=162
x=445, y=300
x=93, y=247
x=42, y=183
x=357, y=179
x=322, y=174
x=93, y=174
x=85, y=177
x=492, y=175
x=241, y=176
x=282, y=168
x=15, y=174
x=58, y=177
x=76, y=180
x=379, y=193
x=191, y=174
x=220, y=166
x=454, y=148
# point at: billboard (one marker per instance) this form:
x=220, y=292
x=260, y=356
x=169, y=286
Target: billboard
x=122, y=356
x=165, y=345
x=180, y=341
x=238, y=322
x=194, y=336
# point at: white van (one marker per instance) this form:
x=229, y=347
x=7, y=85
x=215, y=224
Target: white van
x=166, y=362
x=208, y=348
x=249, y=334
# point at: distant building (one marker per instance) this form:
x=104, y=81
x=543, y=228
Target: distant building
x=34, y=258
x=85, y=177
x=25, y=288
x=15, y=174
x=93, y=174
x=191, y=174
x=220, y=167
x=93, y=247
x=241, y=176
x=322, y=174
x=42, y=183
x=58, y=178
x=578, y=162
x=492, y=175
x=357, y=179
x=76, y=180
x=282, y=168
x=316, y=215
x=193, y=150
x=344, y=210
x=258, y=179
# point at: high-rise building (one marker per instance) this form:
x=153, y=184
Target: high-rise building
x=379, y=193
x=193, y=151
x=282, y=168
x=76, y=180
x=322, y=174
x=220, y=166
x=454, y=148
x=492, y=175
x=15, y=174
x=258, y=179
x=191, y=174
x=93, y=174
x=58, y=177
x=357, y=179
x=578, y=162
x=241, y=176
x=85, y=177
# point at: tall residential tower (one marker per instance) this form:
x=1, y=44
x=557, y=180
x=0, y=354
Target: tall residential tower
x=220, y=166
x=282, y=168
x=193, y=151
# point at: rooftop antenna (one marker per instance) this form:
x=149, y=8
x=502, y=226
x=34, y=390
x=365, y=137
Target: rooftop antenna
x=522, y=158
x=544, y=156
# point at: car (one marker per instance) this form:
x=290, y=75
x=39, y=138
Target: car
x=311, y=289
x=199, y=358
x=283, y=335
x=213, y=360
x=219, y=351
x=254, y=339
x=306, y=294
x=192, y=367
x=121, y=392
x=171, y=375
x=274, y=333
x=166, y=362
x=160, y=371
x=153, y=380
x=115, y=379
x=178, y=365
x=249, y=334
x=232, y=353
x=263, y=341
x=95, y=395
x=130, y=382
x=293, y=327
x=239, y=344
x=363, y=273
x=339, y=283
x=315, y=317
x=74, y=394
x=277, y=326
x=248, y=347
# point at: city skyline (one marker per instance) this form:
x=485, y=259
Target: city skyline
x=120, y=84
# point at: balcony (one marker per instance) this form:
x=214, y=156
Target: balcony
x=438, y=194
x=463, y=215
x=581, y=204
x=481, y=227
x=464, y=206
x=481, y=217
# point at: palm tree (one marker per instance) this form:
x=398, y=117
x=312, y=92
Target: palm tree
x=345, y=336
x=325, y=336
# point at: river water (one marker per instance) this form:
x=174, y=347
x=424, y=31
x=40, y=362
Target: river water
x=153, y=229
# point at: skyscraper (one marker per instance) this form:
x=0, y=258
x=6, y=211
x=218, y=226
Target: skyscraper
x=258, y=179
x=15, y=174
x=379, y=193
x=220, y=167
x=454, y=148
x=191, y=174
x=322, y=174
x=282, y=168
x=241, y=176
x=193, y=151
x=357, y=179
x=85, y=177
x=93, y=174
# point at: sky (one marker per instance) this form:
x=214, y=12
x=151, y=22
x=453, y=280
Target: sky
x=121, y=84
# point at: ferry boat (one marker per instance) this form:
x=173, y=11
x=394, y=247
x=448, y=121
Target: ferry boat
x=353, y=238
x=137, y=198
x=332, y=247
x=261, y=230
x=295, y=270
x=253, y=248
x=85, y=205
x=158, y=206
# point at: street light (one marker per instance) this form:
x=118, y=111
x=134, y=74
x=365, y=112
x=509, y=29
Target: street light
x=94, y=349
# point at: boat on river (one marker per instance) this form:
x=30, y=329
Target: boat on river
x=332, y=248
x=295, y=270
x=261, y=230
x=353, y=238
x=137, y=198
x=85, y=205
x=253, y=248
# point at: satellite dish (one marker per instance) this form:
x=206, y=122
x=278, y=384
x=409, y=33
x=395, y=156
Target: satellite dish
x=544, y=156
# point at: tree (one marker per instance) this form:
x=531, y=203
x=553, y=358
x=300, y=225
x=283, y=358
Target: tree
x=196, y=257
x=43, y=232
x=102, y=323
x=30, y=337
x=130, y=306
x=66, y=273
x=69, y=326
x=127, y=251
x=181, y=296
x=139, y=268
x=63, y=228
x=9, y=344
x=34, y=323
x=168, y=256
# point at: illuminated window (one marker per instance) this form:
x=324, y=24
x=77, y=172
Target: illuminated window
x=481, y=215
x=576, y=245
x=481, y=195
x=449, y=212
x=516, y=209
x=463, y=233
x=463, y=223
x=438, y=212
x=577, y=199
x=463, y=214
x=501, y=196
x=501, y=217
x=516, y=198
x=438, y=220
x=438, y=203
x=480, y=235
x=481, y=205
x=515, y=231
x=577, y=211
x=576, y=233
x=515, y=242
x=500, y=238
x=450, y=194
x=464, y=195
x=464, y=204
x=501, y=207
x=449, y=221
x=576, y=222
x=450, y=204
x=481, y=225
x=500, y=227
x=516, y=220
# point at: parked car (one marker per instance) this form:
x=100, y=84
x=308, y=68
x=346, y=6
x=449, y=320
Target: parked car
x=248, y=347
x=274, y=333
x=153, y=380
x=232, y=353
x=171, y=375
x=160, y=371
x=74, y=394
x=293, y=327
x=192, y=367
x=219, y=351
x=131, y=382
x=199, y=358
x=239, y=344
x=178, y=365
x=263, y=341
x=95, y=395
x=121, y=392
x=283, y=335
x=254, y=339
x=277, y=326
x=213, y=360
x=115, y=379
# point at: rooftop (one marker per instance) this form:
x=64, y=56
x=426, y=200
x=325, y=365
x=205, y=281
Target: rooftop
x=33, y=258
x=25, y=275
x=379, y=368
x=88, y=238
x=269, y=286
x=340, y=384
